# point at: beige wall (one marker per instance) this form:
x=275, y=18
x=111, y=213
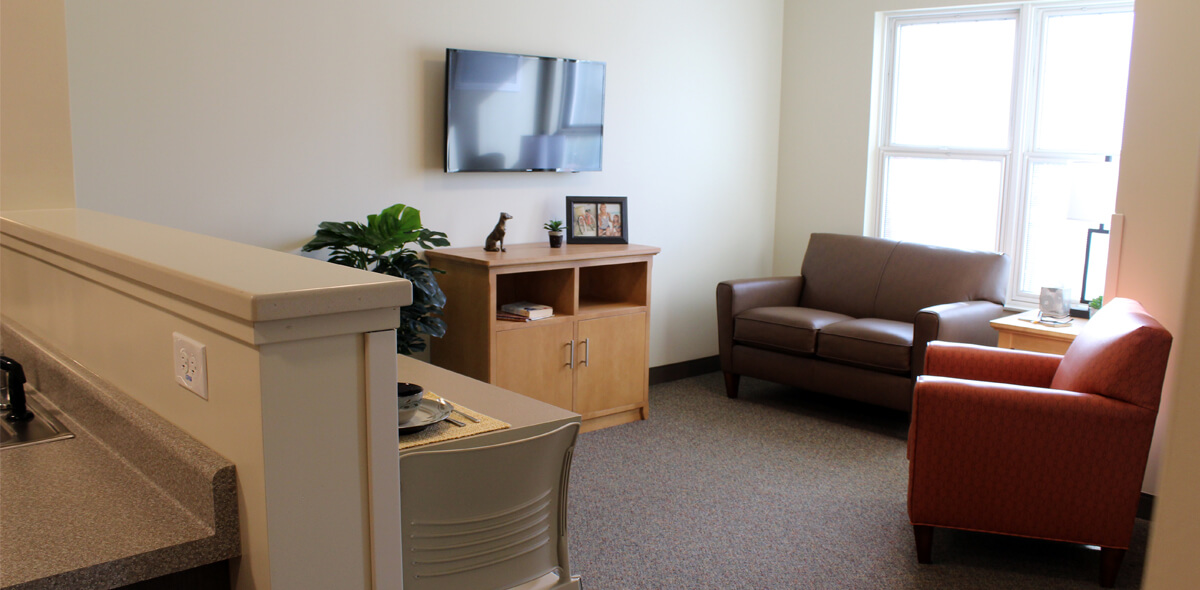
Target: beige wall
x=1157, y=187
x=35, y=122
x=1176, y=532
x=1163, y=184
x=314, y=443
x=256, y=121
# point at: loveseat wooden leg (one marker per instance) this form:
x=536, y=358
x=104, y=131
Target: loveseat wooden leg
x=924, y=537
x=731, y=384
x=1110, y=563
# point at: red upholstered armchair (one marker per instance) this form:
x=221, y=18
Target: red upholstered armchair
x=1039, y=445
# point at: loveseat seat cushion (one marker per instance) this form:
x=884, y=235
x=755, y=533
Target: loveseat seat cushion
x=784, y=329
x=870, y=342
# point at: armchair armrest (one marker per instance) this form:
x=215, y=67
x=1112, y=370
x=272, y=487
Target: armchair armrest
x=1026, y=461
x=736, y=296
x=986, y=363
x=965, y=321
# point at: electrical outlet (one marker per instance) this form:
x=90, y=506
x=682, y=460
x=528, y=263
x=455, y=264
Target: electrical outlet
x=191, y=368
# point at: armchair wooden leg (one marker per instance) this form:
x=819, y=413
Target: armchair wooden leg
x=924, y=536
x=1110, y=563
x=731, y=384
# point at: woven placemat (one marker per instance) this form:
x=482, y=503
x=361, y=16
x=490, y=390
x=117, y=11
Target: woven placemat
x=446, y=431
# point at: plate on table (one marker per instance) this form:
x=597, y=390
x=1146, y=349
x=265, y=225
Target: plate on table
x=430, y=412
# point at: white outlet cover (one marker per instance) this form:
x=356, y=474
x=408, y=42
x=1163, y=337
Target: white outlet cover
x=191, y=366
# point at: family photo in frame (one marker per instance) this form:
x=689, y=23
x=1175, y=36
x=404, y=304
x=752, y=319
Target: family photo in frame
x=597, y=220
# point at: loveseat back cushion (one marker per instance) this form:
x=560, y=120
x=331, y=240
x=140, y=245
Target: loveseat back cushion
x=918, y=276
x=1121, y=354
x=869, y=342
x=783, y=329
x=841, y=273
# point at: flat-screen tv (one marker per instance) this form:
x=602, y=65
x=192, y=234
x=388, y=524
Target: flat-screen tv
x=522, y=113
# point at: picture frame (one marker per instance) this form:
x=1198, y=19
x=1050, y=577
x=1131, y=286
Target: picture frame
x=597, y=220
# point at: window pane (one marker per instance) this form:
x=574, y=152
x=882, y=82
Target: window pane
x=1065, y=200
x=1085, y=73
x=942, y=201
x=953, y=84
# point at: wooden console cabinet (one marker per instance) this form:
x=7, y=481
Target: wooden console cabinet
x=592, y=357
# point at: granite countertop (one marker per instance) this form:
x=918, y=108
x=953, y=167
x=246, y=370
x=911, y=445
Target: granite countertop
x=130, y=498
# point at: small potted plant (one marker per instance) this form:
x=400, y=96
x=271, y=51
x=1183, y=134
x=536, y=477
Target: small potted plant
x=555, y=227
x=1094, y=305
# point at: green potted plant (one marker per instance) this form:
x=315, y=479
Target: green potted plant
x=381, y=245
x=1094, y=305
x=555, y=227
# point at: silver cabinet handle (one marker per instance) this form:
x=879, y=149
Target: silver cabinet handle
x=587, y=351
x=571, y=358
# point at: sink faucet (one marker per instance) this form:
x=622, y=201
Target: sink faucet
x=16, y=390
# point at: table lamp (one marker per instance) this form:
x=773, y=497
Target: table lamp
x=1093, y=201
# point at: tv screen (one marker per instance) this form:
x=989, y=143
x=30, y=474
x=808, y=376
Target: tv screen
x=522, y=113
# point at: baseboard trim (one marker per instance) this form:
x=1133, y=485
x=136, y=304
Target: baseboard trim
x=683, y=370
x=1145, y=506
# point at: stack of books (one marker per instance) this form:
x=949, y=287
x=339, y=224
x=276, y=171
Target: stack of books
x=524, y=311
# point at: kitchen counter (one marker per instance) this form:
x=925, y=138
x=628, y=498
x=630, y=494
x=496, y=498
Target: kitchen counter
x=130, y=498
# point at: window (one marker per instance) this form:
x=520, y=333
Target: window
x=1000, y=129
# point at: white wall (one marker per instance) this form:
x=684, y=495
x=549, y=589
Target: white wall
x=256, y=121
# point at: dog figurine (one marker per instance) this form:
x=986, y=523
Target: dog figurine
x=497, y=235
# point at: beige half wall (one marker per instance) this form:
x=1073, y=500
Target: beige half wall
x=286, y=361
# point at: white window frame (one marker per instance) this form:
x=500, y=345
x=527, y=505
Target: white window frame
x=1017, y=159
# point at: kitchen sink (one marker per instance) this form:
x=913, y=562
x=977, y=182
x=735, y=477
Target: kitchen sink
x=42, y=428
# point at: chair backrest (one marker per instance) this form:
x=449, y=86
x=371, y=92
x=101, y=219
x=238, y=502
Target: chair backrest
x=872, y=277
x=489, y=517
x=919, y=276
x=1121, y=354
x=841, y=273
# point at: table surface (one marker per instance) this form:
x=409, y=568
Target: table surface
x=527, y=416
x=540, y=253
x=1019, y=323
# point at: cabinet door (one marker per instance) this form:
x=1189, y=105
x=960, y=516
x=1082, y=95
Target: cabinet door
x=615, y=373
x=534, y=362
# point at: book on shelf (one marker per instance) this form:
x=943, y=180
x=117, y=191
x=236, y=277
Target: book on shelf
x=508, y=317
x=525, y=309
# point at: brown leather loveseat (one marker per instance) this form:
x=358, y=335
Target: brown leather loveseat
x=857, y=320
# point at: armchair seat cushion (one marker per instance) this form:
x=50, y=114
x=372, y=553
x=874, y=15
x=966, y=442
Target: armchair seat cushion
x=784, y=329
x=869, y=342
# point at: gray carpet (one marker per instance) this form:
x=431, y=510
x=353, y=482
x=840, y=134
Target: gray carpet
x=779, y=489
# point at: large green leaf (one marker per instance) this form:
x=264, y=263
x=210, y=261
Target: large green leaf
x=380, y=246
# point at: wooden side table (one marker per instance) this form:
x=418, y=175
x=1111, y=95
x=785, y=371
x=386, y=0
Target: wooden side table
x=1018, y=332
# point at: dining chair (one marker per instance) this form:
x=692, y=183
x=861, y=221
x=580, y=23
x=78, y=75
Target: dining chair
x=488, y=518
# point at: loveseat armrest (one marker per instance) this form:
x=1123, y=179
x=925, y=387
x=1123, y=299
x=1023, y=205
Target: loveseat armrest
x=1028, y=461
x=965, y=321
x=736, y=296
x=987, y=363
